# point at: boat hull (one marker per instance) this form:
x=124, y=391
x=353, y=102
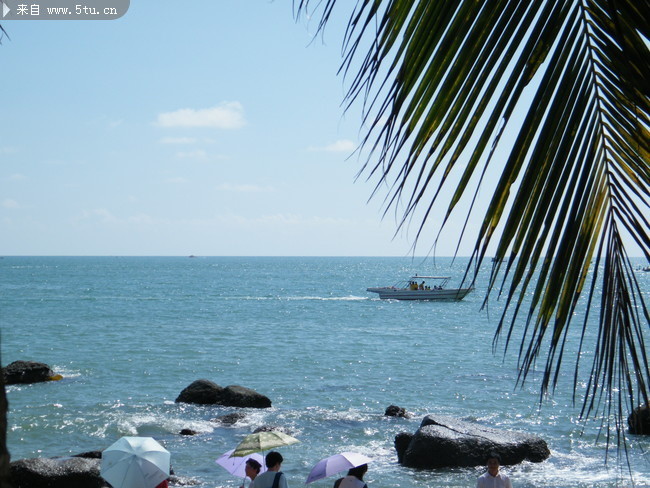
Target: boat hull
x=390, y=293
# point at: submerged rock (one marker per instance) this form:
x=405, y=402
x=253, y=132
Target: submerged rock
x=395, y=411
x=23, y=372
x=271, y=428
x=639, y=420
x=206, y=392
x=70, y=472
x=230, y=418
x=442, y=442
x=89, y=454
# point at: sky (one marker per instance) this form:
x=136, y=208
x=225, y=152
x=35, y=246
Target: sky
x=212, y=128
x=204, y=128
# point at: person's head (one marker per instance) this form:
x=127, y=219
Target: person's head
x=273, y=459
x=359, y=471
x=493, y=463
x=252, y=468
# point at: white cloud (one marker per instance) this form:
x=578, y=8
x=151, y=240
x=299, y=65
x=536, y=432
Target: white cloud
x=8, y=150
x=278, y=220
x=178, y=140
x=15, y=177
x=10, y=203
x=98, y=213
x=104, y=216
x=342, y=145
x=141, y=219
x=227, y=115
x=197, y=154
x=245, y=188
x=178, y=179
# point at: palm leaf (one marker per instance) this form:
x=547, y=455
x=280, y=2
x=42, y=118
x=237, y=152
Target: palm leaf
x=442, y=86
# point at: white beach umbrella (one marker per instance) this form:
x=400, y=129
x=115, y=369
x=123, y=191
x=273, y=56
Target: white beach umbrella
x=237, y=465
x=335, y=464
x=135, y=462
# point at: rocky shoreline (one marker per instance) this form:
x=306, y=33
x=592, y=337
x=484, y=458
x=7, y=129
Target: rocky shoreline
x=440, y=442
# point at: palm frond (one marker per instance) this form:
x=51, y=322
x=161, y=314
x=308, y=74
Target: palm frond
x=443, y=85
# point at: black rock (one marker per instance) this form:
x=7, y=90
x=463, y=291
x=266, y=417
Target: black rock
x=22, y=372
x=639, y=420
x=402, y=441
x=395, y=411
x=240, y=396
x=89, y=454
x=231, y=418
x=271, y=428
x=188, y=432
x=206, y=392
x=69, y=472
x=442, y=442
x=203, y=392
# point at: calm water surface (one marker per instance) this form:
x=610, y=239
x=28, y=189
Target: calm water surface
x=128, y=334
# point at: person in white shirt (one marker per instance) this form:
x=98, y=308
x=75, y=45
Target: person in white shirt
x=273, y=477
x=493, y=478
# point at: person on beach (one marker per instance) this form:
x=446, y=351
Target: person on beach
x=252, y=469
x=272, y=477
x=493, y=478
x=354, y=479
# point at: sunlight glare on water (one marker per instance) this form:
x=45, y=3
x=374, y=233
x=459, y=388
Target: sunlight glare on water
x=128, y=334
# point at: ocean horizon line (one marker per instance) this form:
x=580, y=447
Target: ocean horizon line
x=342, y=256
x=222, y=256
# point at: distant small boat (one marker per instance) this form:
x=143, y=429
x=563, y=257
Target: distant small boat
x=434, y=289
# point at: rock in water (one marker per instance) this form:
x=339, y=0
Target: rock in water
x=240, y=396
x=206, y=392
x=230, y=418
x=72, y=472
x=442, y=442
x=272, y=428
x=639, y=420
x=22, y=372
x=202, y=392
x=395, y=411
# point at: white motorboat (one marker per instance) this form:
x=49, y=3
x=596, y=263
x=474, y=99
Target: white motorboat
x=422, y=288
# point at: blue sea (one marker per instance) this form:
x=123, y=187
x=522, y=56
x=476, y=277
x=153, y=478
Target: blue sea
x=129, y=333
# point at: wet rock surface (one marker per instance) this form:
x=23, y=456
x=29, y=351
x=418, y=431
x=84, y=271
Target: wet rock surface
x=206, y=392
x=447, y=442
x=24, y=372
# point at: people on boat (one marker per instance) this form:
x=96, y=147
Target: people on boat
x=421, y=287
